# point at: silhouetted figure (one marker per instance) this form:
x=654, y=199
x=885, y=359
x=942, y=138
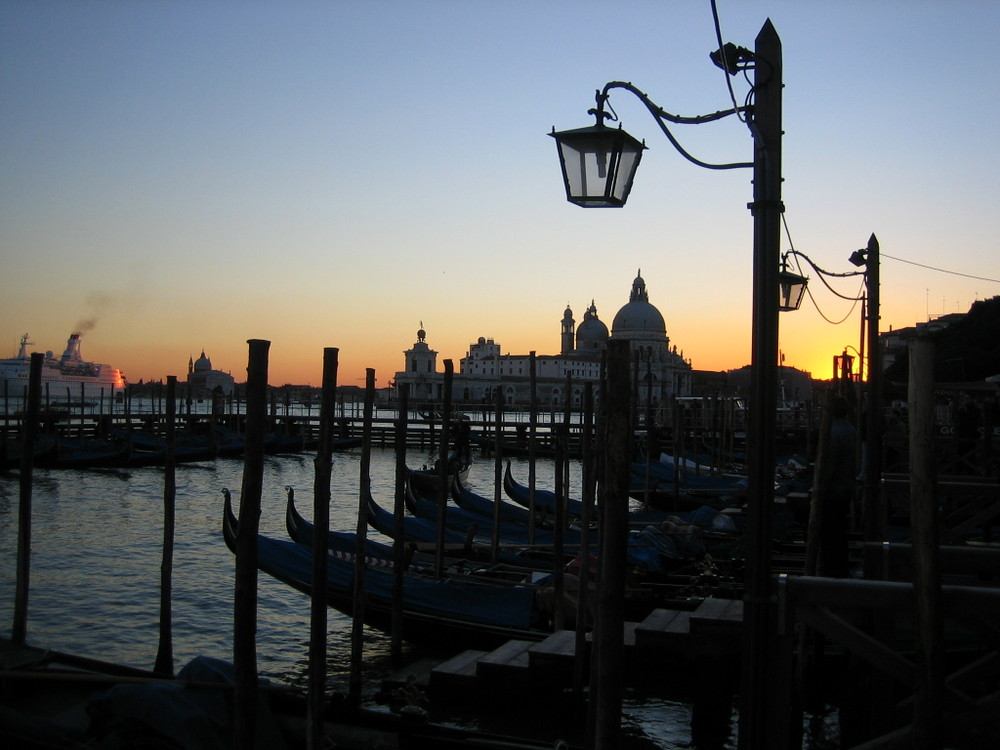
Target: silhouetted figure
x=838, y=479
x=966, y=424
x=894, y=442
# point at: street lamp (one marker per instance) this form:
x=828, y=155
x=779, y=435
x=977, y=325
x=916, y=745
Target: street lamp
x=582, y=161
x=598, y=163
x=792, y=287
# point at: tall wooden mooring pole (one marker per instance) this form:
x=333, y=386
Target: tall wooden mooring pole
x=28, y=437
x=321, y=527
x=245, y=597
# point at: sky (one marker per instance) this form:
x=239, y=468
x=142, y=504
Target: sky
x=180, y=177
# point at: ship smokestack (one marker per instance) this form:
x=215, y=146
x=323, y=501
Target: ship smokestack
x=72, y=353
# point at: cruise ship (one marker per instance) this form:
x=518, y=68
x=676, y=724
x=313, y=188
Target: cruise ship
x=67, y=376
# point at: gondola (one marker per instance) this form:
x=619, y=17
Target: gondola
x=88, y=453
x=343, y=544
x=428, y=481
x=414, y=529
x=10, y=456
x=468, y=543
x=476, y=565
x=545, y=500
x=468, y=500
x=639, y=552
x=480, y=614
x=476, y=524
x=690, y=481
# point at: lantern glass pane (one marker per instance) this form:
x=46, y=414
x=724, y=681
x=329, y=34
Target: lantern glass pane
x=587, y=171
x=791, y=288
x=625, y=171
x=595, y=171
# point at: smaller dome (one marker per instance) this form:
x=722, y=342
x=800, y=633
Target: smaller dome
x=591, y=333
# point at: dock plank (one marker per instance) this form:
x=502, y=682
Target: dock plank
x=553, y=658
x=510, y=662
x=716, y=615
x=457, y=672
x=663, y=626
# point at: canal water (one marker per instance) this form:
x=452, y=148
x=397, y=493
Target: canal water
x=95, y=571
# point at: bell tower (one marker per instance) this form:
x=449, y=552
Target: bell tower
x=568, y=331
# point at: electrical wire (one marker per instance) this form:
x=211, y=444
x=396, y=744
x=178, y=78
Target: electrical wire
x=729, y=82
x=940, y=270
x=822, y=274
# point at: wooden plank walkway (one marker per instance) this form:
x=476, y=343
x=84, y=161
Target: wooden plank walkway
x=712, y=629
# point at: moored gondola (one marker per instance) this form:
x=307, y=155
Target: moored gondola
x=433, y=611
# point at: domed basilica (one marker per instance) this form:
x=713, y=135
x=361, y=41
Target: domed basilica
x=663, y=372
x=203, y=380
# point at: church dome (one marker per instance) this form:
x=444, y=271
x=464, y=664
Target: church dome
x=592, y=333
x=203, y=363
x=638, y=319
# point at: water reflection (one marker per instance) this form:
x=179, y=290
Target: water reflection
x=95, y=572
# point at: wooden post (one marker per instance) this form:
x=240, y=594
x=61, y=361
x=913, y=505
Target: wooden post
x=647, y=483
x=497, y=479
x=361, y=535
x=443, y=467
x=321, y=526
x=562, y=493
x=929, y=689
x=587, y=496
x=245, y=599
x=28, y=437
x=165, y=654
x=532, y=442
x=609, y=634
x=398, y=513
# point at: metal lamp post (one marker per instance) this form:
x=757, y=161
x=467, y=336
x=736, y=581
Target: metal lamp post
x=762, y=724
x=874, y=513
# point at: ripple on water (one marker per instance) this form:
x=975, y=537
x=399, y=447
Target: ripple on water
x=95, y=571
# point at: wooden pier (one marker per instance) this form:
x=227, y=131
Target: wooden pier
x=665, y=636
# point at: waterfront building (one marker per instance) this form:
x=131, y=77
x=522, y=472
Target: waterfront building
x=204, y=381
x=659, y=369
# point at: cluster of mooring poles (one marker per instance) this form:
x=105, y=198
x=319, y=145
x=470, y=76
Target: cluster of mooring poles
x=607, y=663
x=800, y=602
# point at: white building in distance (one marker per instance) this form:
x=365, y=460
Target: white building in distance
x=204, y=381
x=660, y=371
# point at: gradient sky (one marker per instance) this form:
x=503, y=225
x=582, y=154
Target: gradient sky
x=178, y=177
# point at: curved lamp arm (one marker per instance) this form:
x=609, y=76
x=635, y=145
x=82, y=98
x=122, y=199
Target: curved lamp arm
x=662, y=117
x=816, y=268
x=823, y=273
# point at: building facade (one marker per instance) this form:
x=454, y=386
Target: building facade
x=659, y=370
x=204, y=381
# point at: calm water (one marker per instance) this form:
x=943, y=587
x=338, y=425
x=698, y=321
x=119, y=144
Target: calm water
x=95, y=568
